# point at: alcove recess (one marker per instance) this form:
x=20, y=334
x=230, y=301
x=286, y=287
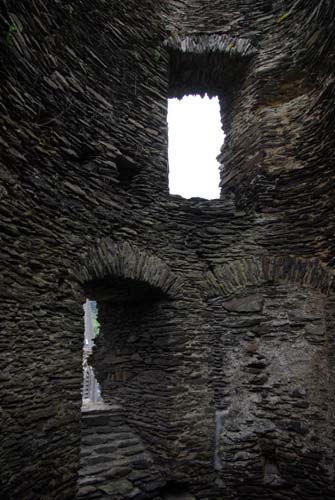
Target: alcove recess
x=136, y=293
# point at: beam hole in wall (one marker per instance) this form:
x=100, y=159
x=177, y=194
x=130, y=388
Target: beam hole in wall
x=127, y=168
x=195, y=140
x=174, y=490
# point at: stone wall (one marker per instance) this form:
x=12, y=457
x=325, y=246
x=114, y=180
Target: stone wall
x=214, y=314
x=273, y=368
x=114, y=462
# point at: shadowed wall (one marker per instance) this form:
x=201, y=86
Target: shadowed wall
x=225, y=372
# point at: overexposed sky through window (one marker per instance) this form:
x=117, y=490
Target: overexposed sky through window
x=195, y=139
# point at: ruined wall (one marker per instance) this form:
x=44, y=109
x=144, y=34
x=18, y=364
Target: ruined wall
x=84, y=172
x=273, y=366
x=65, y=133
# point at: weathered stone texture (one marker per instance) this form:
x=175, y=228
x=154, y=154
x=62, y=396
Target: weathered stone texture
x=114, y=463
x=217, y=316
x=271, y=371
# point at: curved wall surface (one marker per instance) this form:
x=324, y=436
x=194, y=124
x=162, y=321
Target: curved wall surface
x=217, y=317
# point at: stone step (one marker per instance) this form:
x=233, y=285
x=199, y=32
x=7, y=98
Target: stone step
x=114, y=462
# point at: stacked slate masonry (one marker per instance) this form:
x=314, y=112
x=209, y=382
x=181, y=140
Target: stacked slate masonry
x=216, y=352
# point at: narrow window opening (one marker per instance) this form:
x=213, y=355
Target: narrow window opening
x=195, y=140
x=91, y=390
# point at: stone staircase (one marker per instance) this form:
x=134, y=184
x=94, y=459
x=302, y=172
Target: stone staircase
x=114, y=464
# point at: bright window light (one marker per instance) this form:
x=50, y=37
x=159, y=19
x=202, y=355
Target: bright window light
x=195, y=139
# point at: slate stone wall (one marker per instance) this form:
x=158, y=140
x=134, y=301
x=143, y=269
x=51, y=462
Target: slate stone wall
x=217, y=316
x=114, y=463
x=272, y=369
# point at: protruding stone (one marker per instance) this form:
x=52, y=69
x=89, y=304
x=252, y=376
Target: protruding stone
x=249, y=303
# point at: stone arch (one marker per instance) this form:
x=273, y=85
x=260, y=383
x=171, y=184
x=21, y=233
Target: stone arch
x=271, y=352
x=114, y=263
x=232, y=277
x=132, y=355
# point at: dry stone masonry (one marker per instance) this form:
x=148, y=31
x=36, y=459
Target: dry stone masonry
x=216, y=352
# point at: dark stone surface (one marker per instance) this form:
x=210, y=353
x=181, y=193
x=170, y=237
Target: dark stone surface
x=217, y=337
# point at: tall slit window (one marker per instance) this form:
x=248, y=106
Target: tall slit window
x=91, y=389
x=195, y=140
